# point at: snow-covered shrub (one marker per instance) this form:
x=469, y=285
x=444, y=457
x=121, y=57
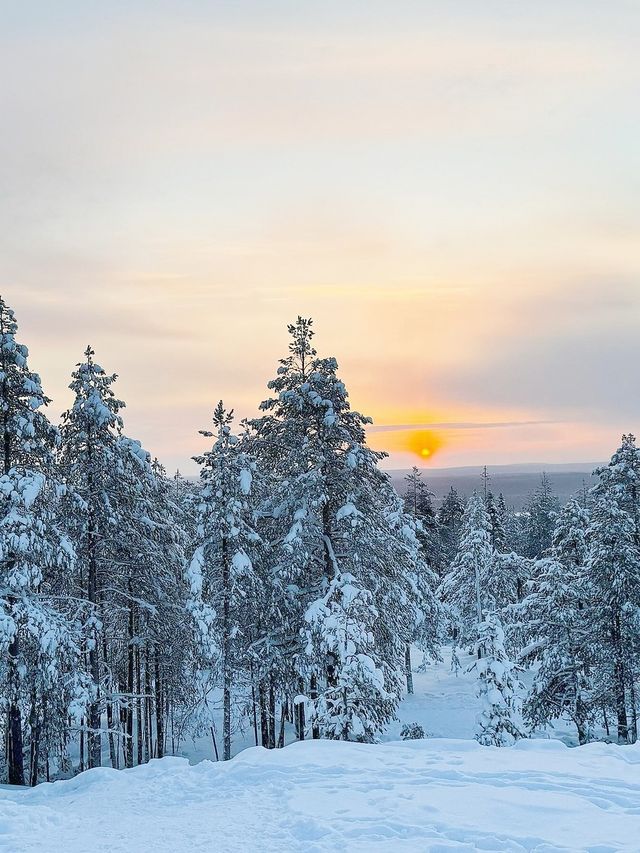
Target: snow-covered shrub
x=412, y=731
x=497, y=723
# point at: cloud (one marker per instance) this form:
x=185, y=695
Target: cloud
x=455, y=425
x=445, y=190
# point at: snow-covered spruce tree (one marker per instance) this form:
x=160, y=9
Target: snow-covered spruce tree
x=341, y=565
x=613, y=579
x=540, y=518
x=620, y=479
x=221, y=574
x=183, y=496
x=90, y=461
x=170, y=657
x=35, y=639
x=129, y=572
x=569, y=542
x=418, y=502
x=421, y=523
x=498, y=687
x=43, y=676
x=506, y=580
x=430, y=625
x=550, y=625
x=515, y=532
x=147, y=597
x=464, y=589
x=449, y=518
x=497, y=511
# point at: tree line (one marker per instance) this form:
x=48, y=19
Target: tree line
x=288, y=585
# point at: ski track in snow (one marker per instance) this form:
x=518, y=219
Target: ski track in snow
x=431, y=795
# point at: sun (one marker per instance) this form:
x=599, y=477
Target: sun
x=424, y=443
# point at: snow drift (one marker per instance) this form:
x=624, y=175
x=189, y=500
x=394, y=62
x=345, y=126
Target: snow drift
x=330, y=796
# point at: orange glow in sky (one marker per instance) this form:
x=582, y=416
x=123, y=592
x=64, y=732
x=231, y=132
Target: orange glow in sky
x=421, y=443
x=424, y=443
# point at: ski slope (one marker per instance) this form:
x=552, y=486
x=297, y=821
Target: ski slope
x=435, y=794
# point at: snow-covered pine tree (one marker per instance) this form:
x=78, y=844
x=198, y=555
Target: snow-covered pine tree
x=507, y=580
x=613, y=577
x=569, y=541
x=418, y=502
x=540, y=518
x=170, y=658
x=221, y=574
x=449, y=518
x=148, y=602
x=43, y=677
x=620, y=479
x=90, y=461
x=515, y=531
x=36, y=641
x=556, y=640
x=498, y=688
x=496, y=511
x=464, y=589
x=429, y=627
x=550, y=624
x=341, y=565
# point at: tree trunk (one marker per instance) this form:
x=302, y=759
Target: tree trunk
x=159, y=708
x=113, y=752
x=634, y=710
x=139, y=721
x=130, y=689
x=94, y=738
x=264, y=716
x=253, y=706
x=313, y=693
x=15, y=758
x=226, y=652
x=148, y=712
x=15, y=747
x=408, y=670
x=35, y=726
x=619, y=684
x=283, y=715
x=82, y=765
x=299, y=713
x=272, y=714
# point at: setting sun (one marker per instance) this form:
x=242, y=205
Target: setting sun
x=421, y=442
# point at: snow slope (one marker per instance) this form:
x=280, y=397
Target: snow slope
x=444, y=704
x=434, y=794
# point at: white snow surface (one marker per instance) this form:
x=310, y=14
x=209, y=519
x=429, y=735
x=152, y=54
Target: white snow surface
x=436, y=794
x=433, y=794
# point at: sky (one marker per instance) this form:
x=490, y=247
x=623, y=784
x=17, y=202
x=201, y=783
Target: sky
x=450, y=190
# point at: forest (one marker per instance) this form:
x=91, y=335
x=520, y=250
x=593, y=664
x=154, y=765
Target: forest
x=289, y=584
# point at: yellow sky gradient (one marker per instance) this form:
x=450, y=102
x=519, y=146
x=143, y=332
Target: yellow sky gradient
x=449, y=190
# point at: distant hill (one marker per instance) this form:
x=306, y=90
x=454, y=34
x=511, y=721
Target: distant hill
x=516, y=482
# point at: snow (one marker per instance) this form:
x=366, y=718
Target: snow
x=245, y=481
x=416, y=795
x=443, y=793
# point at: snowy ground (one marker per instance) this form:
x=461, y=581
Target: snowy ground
x=443, y=703
x=442, y=793
x=431, y=795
